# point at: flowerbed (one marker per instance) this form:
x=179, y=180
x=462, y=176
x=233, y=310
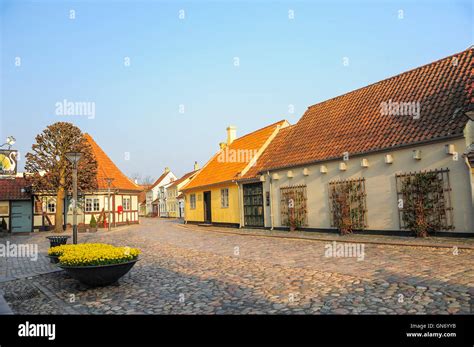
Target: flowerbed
x=93, y=254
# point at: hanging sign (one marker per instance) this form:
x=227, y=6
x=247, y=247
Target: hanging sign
x=8, y=162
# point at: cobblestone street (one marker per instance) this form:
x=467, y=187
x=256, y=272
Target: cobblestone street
x=188, y=270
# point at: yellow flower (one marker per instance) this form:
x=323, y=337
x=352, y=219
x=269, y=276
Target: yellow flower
x=87, y=254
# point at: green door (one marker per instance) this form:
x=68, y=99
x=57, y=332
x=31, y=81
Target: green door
x=253, y=205
x=21, y=216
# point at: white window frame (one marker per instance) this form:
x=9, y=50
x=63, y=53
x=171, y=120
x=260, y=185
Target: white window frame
x=127, y=203
x=91, y=204
x=50, y=203
x=224, y=197
x=192, y=201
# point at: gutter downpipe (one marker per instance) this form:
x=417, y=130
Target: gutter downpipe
x=241, y=206
x=271, y=201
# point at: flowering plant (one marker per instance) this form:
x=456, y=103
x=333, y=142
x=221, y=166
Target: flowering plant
x=90, y=254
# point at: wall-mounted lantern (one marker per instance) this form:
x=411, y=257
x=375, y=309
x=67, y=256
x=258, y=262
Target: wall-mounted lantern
x=416, y=154
x=450, y=149
x=388, y=159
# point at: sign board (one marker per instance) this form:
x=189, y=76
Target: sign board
x=8, y=162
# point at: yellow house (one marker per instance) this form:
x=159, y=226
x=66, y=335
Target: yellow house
x=213, y=196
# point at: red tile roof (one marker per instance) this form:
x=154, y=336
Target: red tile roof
x=14, y=189
x=107, y=169
x=354, y=122
x=183, y=178
x=218, y=171
x=158, y=181
x=267, y=156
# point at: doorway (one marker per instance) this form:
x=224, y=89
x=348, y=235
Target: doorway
x=207, y=207
x=21, y=217
x=253, y=205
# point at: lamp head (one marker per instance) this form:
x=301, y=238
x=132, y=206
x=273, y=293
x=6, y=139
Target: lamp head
x=74, y=157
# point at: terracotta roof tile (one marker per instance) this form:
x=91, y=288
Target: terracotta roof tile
x=158, y=181
x=354, y=122
x=266, y=157
x=14, y=189
x=183, y=178
x=219, y=171
x=107, y=169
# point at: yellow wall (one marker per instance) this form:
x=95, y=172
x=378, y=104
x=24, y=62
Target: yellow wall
x=219, y=214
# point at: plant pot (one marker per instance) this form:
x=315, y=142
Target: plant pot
x=53, y=259
x=57, y=240
x=92, y=230
x=99, y=275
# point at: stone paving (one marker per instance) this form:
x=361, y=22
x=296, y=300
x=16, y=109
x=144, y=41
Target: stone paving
x=188, y=271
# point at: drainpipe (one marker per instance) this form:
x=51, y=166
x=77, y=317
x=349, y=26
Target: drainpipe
x=271, y=201
x=241, y=205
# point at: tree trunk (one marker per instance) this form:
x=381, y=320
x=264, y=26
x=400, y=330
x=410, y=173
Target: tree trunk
x=58, y=221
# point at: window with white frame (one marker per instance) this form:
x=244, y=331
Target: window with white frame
x=225, y=197
x=51, y=206
x=192, y=201
x=126, y=203
x=92, y=205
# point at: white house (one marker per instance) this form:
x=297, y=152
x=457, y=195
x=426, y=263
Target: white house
x=152, y=195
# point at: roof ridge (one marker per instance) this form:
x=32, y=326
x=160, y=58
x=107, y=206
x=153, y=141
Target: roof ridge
x=470, y=48
x=256, y=131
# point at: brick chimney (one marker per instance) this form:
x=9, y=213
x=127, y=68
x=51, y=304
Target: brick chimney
x=231, y=134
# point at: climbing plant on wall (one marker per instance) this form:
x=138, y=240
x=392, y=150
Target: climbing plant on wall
x=348, y=205
x=424, y=202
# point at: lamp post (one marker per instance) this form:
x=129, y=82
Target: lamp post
x=109, y=182
x=74, y=158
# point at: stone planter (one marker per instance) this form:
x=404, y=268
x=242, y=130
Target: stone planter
x=54, y=259
x=57, y=240
x=99, y=275
x=92, y=230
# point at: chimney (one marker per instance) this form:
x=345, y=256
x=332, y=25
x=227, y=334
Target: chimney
x=167, y=169
x=231, y=134
x=196, y=166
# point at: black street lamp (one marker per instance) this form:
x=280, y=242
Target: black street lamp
x=109, y=183
x=74, y=158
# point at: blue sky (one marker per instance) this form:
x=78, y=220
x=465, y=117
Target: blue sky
x=191, y=62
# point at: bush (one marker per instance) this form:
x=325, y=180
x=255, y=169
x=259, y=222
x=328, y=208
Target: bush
x=90, y=254
x=93, y=222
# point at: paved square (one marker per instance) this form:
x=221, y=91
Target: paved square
x=188, y=271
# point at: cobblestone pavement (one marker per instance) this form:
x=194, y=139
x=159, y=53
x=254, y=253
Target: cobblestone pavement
x=186, y=271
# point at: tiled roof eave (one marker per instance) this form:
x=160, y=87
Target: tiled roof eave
x=209, y=185
x=380, y=150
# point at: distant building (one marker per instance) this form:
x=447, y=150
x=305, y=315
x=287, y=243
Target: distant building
x=153, y=193
x=174, y=196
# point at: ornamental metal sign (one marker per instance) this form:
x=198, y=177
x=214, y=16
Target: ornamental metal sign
x=8, y=162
